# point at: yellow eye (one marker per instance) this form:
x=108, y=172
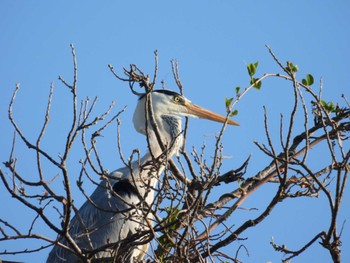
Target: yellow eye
x=177, y=99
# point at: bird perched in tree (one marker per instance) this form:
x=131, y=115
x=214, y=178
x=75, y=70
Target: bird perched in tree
x=120, y=206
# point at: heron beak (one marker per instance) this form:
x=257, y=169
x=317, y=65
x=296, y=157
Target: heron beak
x=200, y=112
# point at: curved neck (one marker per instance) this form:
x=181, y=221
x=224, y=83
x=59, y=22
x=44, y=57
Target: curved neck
x=170, y=132
x=145, y=171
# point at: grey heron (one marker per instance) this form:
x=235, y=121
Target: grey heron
x=115, y=209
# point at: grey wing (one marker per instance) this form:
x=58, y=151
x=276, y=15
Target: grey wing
x=107, y=220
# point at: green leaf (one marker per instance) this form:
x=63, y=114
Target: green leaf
x=172, y=217
x=256, y=85
x=329, y=107
x=291, y=67
x=308, y=81
x=228, y=102
x=237, y=90
x=234, y=113
x=252, y=68
x=164, y=241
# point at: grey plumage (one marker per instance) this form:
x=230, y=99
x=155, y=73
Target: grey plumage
x=116, y=208
x=110, y=218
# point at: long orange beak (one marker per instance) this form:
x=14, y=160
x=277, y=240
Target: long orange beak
x=200, y=112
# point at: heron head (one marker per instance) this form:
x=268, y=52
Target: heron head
x=170, y=103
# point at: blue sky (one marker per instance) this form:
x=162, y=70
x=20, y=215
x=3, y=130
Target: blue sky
x=213, y=42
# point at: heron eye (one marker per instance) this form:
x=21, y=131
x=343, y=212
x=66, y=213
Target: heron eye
x=177, y=99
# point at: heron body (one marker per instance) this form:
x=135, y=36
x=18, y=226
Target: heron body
x=116, y=209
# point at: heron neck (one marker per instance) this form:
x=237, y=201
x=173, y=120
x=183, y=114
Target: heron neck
x=171, y=137
x=170, y=132
x=144, y=173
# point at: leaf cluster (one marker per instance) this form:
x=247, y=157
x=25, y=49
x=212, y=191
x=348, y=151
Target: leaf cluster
x=252, y=67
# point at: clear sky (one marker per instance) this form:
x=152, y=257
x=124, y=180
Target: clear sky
x=213, y=42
